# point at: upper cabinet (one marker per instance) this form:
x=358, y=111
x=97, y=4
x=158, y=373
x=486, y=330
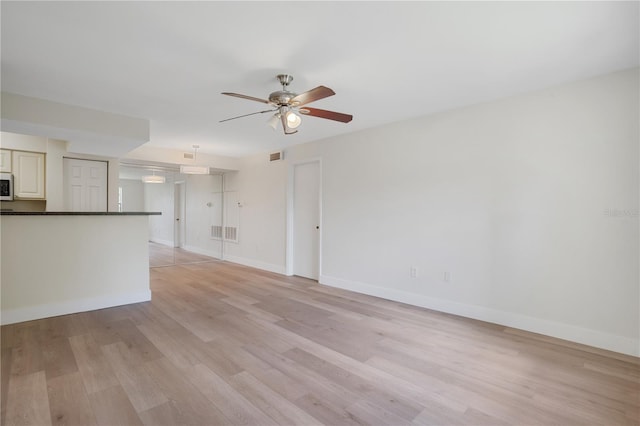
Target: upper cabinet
x=5, y=160
x=28, y=170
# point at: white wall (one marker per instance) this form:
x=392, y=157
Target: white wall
x=132, y=195
x=87, y=131
x=217, y=163
x=22, y=142
x=203, y=209
x=261, y=190
x=158, y=197
x=530, y=203
x=56, y=151
x=55, y=265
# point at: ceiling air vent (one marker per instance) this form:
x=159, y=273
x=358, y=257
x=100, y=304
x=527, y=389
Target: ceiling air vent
x=276, y=156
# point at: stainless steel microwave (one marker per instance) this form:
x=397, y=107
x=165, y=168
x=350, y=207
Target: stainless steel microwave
x=6, y=187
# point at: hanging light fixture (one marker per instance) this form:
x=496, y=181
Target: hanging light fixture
x=153, y=178
x=273, y=121
x=193, y=169
x=289, y=119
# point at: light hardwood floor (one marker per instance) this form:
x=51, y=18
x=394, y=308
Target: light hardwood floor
x=222, y=344
x=161, y=255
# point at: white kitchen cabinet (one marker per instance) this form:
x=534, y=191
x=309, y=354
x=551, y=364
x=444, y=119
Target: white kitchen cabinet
x=28, y=175
x=5, y=160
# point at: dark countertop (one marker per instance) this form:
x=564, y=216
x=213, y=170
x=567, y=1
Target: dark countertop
x=19, y=213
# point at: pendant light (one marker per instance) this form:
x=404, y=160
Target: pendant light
x=153, y=178
x=193, y=169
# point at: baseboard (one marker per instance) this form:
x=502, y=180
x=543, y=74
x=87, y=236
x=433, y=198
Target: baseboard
x=203, y=252
x=163, y=242
x=71, y=307
x=278, y=269
x=598, y=339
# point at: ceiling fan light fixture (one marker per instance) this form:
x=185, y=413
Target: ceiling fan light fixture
x=293, y=120
x=288, y=130
x=273, y=121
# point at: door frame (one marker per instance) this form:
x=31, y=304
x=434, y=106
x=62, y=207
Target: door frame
x=291, y=214
x=179, y=209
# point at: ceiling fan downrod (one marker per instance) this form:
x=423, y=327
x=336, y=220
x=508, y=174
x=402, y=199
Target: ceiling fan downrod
x=285, y=79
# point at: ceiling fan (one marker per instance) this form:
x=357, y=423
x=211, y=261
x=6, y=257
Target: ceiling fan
x=288, y=106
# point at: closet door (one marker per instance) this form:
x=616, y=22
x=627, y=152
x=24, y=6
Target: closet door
x=85, y=185
x=306, y=220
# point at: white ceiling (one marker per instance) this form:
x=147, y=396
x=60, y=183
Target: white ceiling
x=386, y=61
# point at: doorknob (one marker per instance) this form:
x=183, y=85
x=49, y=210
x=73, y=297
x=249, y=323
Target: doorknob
x=177, y=218
x=317, y=226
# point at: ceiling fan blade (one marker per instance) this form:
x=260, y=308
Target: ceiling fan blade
x=251, y=98
x=319, y=92
x=330, y=115
x=246, y=115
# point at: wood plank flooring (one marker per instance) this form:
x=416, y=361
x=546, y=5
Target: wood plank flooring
x=162, y=255
x=222, y=344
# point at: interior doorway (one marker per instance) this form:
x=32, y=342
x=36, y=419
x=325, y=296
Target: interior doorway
x=189, y=228
x=304, y=244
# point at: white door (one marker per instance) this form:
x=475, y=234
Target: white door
x=179, y=203
x=306, y=220
x=85, y=185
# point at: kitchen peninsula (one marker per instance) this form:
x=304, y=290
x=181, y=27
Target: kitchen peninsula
x=56, y=263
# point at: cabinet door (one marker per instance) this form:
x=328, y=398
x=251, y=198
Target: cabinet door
x=5, y=160
x=28, y=175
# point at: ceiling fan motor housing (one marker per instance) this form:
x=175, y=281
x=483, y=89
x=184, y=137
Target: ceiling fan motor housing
x=281, y=97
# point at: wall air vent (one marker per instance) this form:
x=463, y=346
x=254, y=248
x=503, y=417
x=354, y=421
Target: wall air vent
x=276, y=156
x=231, y=233
x=216, y=232
x=189, y=156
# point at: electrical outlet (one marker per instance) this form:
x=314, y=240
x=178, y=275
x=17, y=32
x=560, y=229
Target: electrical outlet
x=447, y=277
x=413, y=271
